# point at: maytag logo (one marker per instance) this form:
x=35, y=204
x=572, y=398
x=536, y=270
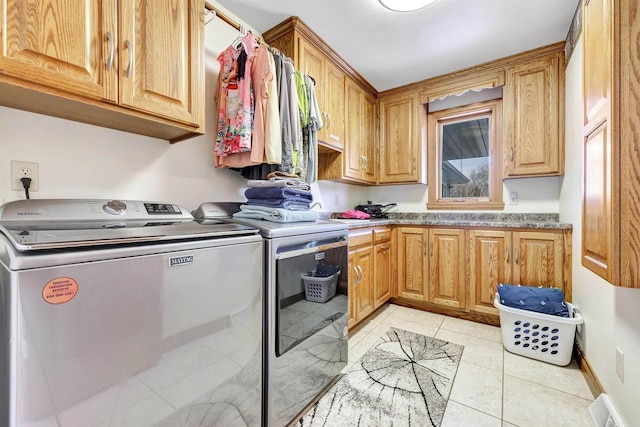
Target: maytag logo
x=180, y=260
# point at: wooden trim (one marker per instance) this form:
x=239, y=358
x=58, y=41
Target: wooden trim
x=15, y=93
x=456, y=87
x=442, y=80
x=493, y=109
x=567, y=265
x=294, y=23
x=453, y=312
x=589, y=374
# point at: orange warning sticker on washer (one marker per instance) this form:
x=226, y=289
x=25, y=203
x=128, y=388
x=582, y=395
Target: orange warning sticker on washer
x=60, y=290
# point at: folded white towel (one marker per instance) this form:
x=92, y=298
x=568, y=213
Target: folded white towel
x=275, y=214
x=279, y=182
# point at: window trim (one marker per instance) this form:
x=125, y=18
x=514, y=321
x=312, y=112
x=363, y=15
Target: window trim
x=493, y=108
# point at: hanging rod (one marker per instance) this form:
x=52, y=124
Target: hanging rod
x=209, y=7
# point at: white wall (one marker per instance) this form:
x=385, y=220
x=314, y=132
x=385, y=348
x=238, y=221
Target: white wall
x=534, y=195
x=610, y=312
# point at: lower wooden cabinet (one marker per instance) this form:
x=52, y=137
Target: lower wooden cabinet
x=413, y=266
x=382, y=266
x=431, y=265
x=369, y=271
x=490, y=259
x=458, y=270
x=530, y=258
x=446, y=267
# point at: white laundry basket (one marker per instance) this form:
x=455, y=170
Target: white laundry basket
x=536, y=335
x=319, y=289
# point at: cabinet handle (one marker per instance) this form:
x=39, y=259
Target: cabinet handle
x=517, y=258
x=431, y=249
x=511, y=153
x=127, y=44
x=384, y=247
x=507, y=252
x=366, y=162
x=424, y=248
x=328, y=120
x=111, y=50
x=361, y=162
x=360, y=274
x=355, y=269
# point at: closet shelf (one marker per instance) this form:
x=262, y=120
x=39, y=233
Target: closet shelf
x=330, y=148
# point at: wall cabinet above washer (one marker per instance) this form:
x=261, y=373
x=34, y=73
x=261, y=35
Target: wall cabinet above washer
x=132, y=65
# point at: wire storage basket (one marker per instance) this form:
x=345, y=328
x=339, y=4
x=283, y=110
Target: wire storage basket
x=536, y=335
x=320, y=289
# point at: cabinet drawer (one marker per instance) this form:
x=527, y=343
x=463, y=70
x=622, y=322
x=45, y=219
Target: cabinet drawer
x=381, y=235
x=360, y=237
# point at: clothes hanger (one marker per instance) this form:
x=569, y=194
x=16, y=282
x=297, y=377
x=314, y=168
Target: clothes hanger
x=238, y=41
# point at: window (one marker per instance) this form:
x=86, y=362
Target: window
x=464, y=158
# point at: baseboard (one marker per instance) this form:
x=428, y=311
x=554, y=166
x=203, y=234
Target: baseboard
x=488, y=319
x=589, y=375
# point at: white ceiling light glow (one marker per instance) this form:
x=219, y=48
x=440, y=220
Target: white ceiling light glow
x=405, y=5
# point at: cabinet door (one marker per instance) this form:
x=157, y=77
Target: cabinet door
x=161, y=58
x=412, y=263
x=354, y=276
x=597, y=60
x=334, y=101
x=65, y=45
x=369, y=141
x=489, y=264
x=364, y=288
x=400, y=158
x=538, y=258
x=597, y=240
x=382, y=276
x=354, y=161
x=446, y=267
x=311, y=62
x=600, y=197
x=532, y=119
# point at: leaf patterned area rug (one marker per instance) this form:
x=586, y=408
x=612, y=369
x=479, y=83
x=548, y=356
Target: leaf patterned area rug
x=403, y=380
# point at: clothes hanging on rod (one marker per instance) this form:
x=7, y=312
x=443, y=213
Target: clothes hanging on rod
x=264, y=108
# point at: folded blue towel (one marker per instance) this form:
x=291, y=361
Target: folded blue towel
x=275, y=214
x=541, y=300
x=292, y=205
x=278, y=193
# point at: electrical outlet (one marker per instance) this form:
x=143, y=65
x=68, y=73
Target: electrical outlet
x=620, y=363
x=21, y=170
x=513, y=198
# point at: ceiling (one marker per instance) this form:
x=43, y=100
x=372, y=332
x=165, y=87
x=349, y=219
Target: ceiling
x=390, y=49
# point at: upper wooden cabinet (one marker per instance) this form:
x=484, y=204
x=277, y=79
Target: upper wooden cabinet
x=46, y=43
x=329, y=90
x=131, y=65
x=361, y=141
x=533, y=125
x=157, y=42
x=611, y=165
x=400, y=139
x=344, y=143
x=604, y=107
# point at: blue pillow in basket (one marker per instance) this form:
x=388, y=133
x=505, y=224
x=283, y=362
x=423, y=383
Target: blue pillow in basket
x=542, y=300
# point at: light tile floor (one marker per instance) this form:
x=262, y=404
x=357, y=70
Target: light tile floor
x=492, y=388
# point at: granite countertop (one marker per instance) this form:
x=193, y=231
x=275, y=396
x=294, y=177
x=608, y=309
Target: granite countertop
x=549, y=221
